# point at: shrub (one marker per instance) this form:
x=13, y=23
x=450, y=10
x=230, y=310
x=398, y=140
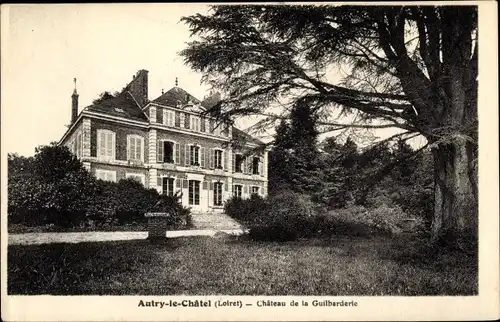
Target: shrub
x=282, y=217
x=180, y=215
x=361, y=221
x=53, y=187
x=245, y=211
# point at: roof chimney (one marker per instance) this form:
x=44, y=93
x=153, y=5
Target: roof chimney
x=139, y=87
x=74, y=104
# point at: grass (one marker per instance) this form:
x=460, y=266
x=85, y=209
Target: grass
x=210, y=266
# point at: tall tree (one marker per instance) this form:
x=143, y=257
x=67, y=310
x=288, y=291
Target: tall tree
x=293, y=162
x=410, y=67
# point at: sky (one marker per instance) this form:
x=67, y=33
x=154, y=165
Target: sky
x=44, y=47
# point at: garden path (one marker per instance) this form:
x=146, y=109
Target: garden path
x=78, y=237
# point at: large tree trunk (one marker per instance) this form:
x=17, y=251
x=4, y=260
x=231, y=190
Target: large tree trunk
x=455, y=210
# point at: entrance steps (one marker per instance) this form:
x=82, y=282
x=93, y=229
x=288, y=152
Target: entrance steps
x=214, y=220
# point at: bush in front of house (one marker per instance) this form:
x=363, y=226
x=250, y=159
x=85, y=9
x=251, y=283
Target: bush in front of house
x=285, y=216
x=290, y=215
x=126, y=202
x=52, y=189
x=245, y=211
x=180, y=215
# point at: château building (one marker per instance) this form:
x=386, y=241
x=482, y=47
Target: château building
x=166, y=144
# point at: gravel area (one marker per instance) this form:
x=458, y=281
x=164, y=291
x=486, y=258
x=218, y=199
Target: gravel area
x=79, y=237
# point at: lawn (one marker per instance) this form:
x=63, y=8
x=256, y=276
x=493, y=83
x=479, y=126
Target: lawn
x=209, y=266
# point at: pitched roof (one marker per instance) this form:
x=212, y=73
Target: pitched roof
x=175, y=95
x=123, y=105
x=241, y=135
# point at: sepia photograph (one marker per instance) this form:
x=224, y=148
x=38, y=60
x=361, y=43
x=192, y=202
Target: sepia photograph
x=185, y=155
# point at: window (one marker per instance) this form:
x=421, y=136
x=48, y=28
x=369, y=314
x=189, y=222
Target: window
x=239, y=160
x=195, y=155
x=168, y=152
x=255, y=165
x=217, y=193
x=218, y=159
x=168, y=186
x=136, y=176
x=168, y=117
x=135, y=148
x=106, y=175
x=186, y=121
x=195, y=123
x=255, y=190
x=194, y=192
x=106, y=144
x=237, y=190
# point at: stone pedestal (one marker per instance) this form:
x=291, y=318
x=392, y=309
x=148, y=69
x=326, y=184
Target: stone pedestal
x=158, y=224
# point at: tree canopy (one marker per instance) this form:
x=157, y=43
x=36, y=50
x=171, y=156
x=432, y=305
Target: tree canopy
x=400, y=60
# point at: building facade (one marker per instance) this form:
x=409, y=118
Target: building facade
x=167, y=144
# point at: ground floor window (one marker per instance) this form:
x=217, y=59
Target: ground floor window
x=168, y=186
x=255, y=190
x=194, y=192
x=136, y=176
x=237, y=189
x=107, y=175
x=218, y=193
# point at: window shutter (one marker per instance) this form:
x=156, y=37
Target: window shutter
x=113, y=148
x=177, y=119
x=159, y=155
x=211, y=185
x=159, y=181
x=205, y=185
x=245, y=189
x=212, y=156
x=141, y=142
x=184, y=183
x=181, y=120
x=202, y=157
x=109, y=143
x=226, y=185
x=100, y=144
x=129, y=147
x=181, y=154
x=260, y=167
x=234, y=162
x=225, y=155
x=202, y=124
x=187, y=118
x=177, y=153
x=186, y=154
x=178, y=182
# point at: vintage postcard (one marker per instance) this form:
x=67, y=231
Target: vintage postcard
x=249, y=162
